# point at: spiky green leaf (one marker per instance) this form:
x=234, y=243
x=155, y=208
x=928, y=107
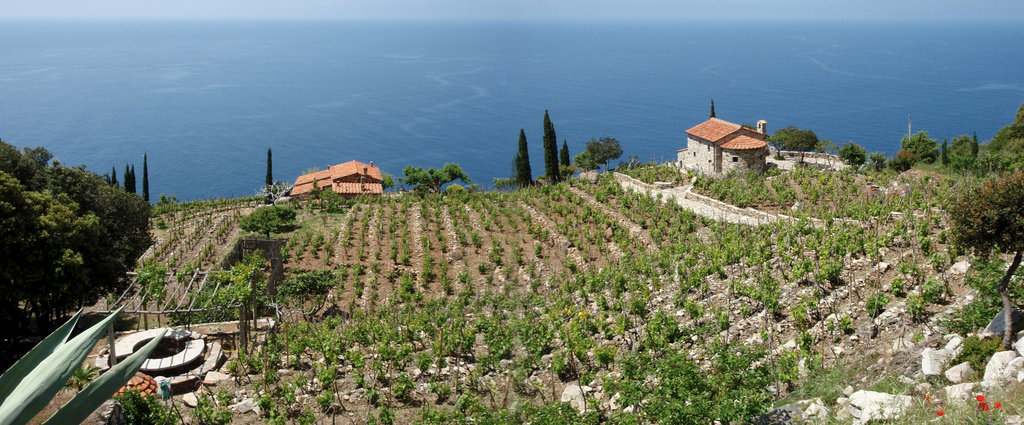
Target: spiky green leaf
x=10, y=379
x=90, y=398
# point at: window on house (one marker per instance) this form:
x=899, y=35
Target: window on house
x=735, y=159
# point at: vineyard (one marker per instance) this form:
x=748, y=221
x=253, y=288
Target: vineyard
x=494, y=307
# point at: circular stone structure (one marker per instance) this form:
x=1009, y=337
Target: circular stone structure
x=183, y=357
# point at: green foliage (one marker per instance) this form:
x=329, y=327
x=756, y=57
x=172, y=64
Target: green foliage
x=921, y=146
x=795, y=139
x=990, y=217
x=83, y=376
x=563, y=154
x=67, y=238
x=853, y=154
x=876, y=161
x=977, y=351
x=876, y=304
x=268, y=219
x=603, y=150
x=145, y=410
x=29, y=385
x=585, y=161
x=551, y=170
x=523, y=176
x=270, y=169
x=431, y=180
x=309, y=289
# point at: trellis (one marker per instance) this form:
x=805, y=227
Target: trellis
x=181, y=297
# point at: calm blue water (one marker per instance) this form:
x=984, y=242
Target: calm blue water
x=206, y=99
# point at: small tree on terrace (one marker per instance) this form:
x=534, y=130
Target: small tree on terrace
x=267, y=220
x=524, y=176
x=603, y=150
x=853, y=154
x=795, y=139
x=990, y=219
x=431, y=180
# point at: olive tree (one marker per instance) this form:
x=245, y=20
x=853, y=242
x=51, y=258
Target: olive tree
x=990, y=219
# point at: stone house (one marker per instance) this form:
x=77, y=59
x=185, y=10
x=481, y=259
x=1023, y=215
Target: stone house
x=717, y=147
x=349, y=180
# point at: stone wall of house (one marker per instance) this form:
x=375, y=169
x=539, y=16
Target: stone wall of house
x=701, y=154
x=742, y=160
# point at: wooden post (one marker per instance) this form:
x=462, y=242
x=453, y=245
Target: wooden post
x=112, y=360
x=243, y=327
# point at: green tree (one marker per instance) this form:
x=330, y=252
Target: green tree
x=563, y=155
x=113, y=176
x=876, y=161
x=268, y=219
x=712, y=107
x=795, y=139
x=550, y=151
x=145, y=178
x=974, y=149
x=524, y=176
x=129, y=186
x=431, y=180
x=387, y=181
x=990, y=219
x=270, y=168
x=853, y=154
x=603, y=150
x=961, y=153
x=68, y=239
x=925, y=148
x=584, y=161
x=944, y=152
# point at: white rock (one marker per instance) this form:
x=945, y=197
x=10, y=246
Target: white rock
x=866, y=406
x=244, y=406
x=960, y=267
x=213, y=377
x=933, y=362
x=961, y=392
x=190, y=399
x=955, y=344
x=573, y=394
x=848, y=391
x=996, y=368
x=960, y=373
x=1019, y=346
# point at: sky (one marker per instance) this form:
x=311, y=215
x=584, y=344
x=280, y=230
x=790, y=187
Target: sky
x=949, y=10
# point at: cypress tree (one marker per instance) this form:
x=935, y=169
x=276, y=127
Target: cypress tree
x=113, y=176
x=127, y=179
x=563, y=155
x=145, y=178
x=524, y=175
x=974, y=147
x=712, y=107
x=945, y=155
x=133, y=179
x=550, y=151
x=270, y=169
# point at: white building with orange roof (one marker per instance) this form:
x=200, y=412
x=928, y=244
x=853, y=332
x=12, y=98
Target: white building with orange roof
x=350, y=179
x=717, y=146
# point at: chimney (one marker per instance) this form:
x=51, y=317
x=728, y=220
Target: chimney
x=371, y=163
x=762, y=127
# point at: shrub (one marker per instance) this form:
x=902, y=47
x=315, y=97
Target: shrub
x=144, y=410
x=977, y=351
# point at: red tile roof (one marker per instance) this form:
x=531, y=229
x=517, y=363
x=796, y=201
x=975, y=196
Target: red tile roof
x=728, y=135
x=331, y=178
x=743, y=142
x=713, y=129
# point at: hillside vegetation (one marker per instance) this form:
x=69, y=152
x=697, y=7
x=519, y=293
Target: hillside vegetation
x=497, y=306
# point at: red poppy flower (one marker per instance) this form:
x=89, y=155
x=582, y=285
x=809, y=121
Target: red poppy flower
x=997, y=405
x=940, y=413
x=981, y=398
x=984, y=407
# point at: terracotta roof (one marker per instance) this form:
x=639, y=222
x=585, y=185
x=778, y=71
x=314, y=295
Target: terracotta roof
x=359, y=188
x=329, y=179
x=728, y=135
x=744, y=142
x=713, y=129
x=355, y=167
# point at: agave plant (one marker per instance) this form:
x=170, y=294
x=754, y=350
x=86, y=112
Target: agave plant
x=28, y=386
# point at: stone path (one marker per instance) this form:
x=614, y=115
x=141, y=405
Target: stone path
x=709, y=208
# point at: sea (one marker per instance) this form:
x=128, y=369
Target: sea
x=206, y=99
